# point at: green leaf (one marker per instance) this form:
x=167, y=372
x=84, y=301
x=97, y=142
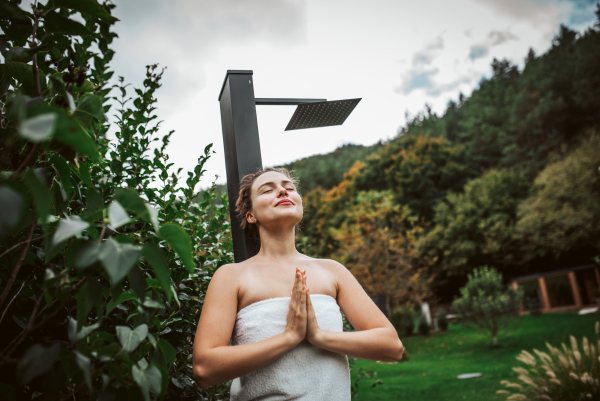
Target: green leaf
x=150, y=303
x=12, y=12
x=148, y=379
x=70, y=132
x=84, y=364
x=87, y=254
x=24, y=75
x=37, y=361
x=14, y=203
x=67, y=228
x=19, y=54
x=157, y=259
x=90, y=105
x=153, y=216
x=85, y=331
x=130, y=339
x=63, y=171
x=59, y=87
x=123, y=297
x=56, y=23
x=84, y=174
x=117, y=259
x=117, y=215
x=38, y=128
x=180, y=242
x=41, y=195
x=167, y=351
x=136, y=279
x=88, y=296
x=131, y=201
x=94, y=204
x=87, y=7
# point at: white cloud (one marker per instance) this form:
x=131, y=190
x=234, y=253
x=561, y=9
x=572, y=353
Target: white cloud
x=395, y=54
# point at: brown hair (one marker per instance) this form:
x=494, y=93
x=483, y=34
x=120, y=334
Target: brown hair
x=244, y=202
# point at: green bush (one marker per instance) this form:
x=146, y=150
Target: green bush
x=442, y=319
x=562, y=374
x=487, y=304
x=402, y=318
x=105, y=258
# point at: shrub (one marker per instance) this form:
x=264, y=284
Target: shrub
x=402, y=318
x=423, y=326
x=105, y=258
x=562, y=374
x=442, y=319
x=487, y=304
x=533, y=306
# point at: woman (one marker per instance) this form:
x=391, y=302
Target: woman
x=286, y=345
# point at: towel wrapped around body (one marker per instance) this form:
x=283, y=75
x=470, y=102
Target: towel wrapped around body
x=303, y=373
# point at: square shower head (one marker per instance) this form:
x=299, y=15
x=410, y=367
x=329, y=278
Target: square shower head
x=321, y=114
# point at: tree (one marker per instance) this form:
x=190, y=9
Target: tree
x=476, y=227
x=419, y=170
x=377, y=246
x=487, y=304
x=562, y=213
x=105, y=258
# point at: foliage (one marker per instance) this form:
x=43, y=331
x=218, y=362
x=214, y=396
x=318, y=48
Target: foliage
x=486, y=304
x=442, y=319
x=477, y=226
x=377, y=247
x=105, y=258
x=402, y=318
x=563, y=213
x=560, y=374
x=326, y=171
x=324, y=211
x=360, y=375
x=419, y=170
x=423, y=326
x=464, y=173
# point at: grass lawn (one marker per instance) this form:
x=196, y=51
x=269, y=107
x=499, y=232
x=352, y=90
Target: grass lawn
x=436, y=360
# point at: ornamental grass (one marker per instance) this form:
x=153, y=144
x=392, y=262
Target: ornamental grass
x=562, y=374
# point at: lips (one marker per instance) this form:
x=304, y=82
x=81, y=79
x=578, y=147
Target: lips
x=284, y=202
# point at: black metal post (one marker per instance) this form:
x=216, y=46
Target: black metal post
x=242, y=144
x=242, y=149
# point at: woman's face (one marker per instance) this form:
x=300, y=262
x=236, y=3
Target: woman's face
x=275, y=201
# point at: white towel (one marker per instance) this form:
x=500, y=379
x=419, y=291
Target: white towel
x=303, y=373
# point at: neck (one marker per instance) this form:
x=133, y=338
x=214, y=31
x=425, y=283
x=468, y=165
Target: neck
x=277, y=244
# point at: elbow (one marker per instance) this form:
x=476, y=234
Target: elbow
x=400, y=353
x=201, y=376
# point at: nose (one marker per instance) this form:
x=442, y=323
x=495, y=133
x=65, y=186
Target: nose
x=282, y=192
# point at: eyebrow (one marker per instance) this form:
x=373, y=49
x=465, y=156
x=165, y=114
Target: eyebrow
x=284, y=182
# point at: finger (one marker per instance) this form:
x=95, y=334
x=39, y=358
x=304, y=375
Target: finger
x=303, y=299
x=298, y=286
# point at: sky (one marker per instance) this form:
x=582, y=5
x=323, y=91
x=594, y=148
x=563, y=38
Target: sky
x=396, y=55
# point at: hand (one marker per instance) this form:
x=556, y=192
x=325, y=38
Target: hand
x=296, y=318
x=312, y=329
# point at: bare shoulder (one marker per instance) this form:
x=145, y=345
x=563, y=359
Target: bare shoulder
x=337, y=271
x=332, y=266
x=226, y=276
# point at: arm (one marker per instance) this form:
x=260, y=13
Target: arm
x=214, y=361
x=375, y=338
